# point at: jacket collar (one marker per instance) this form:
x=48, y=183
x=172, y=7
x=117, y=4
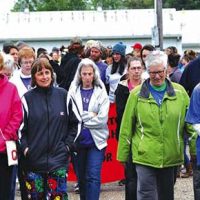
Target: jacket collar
x=144, y=92
x=47, y=90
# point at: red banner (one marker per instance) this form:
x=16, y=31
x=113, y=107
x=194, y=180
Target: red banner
x=112, y=170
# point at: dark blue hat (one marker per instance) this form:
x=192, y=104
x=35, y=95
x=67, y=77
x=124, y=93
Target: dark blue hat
x=119, y=48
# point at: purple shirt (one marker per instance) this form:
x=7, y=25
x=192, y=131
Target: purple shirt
x=85, y=138
x=102, y=69
x=26, y=82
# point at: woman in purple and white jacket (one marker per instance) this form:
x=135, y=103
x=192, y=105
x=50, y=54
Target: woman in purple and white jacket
x=90, y=95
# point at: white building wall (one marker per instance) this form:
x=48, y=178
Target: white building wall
x=49, y=29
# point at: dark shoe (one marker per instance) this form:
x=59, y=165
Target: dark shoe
x=178, y=175
x=189, y=169
x=184, y=175
x=122, y=182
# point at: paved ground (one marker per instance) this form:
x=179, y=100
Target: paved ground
x=111, y=191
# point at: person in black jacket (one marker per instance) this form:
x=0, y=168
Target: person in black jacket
x=70, y=61
x=50, y=126
x=133, y=78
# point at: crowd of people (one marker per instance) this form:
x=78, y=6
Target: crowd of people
x=55, y=105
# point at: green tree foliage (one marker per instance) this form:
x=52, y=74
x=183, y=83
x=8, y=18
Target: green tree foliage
x=55, y=5
x=21, y=5
x=139, y=4
x=106, y=4
x=182, y=4
x=50, y=5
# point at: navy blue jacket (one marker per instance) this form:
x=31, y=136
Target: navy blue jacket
x=191, y=75
x=51, y=123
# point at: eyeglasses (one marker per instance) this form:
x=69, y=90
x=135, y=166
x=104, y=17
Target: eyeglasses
x=144, y=56
x=27, y=62
x=160, y=73
x=136, y=68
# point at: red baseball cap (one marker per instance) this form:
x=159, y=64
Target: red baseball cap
x=137, y=45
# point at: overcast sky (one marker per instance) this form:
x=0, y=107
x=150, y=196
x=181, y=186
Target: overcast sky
x=6, y=5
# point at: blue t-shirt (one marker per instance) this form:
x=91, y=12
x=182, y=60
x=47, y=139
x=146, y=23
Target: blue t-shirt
x=102, y=69
x=157, y=95
x=85, y=138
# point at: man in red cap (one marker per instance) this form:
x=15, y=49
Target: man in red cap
x=136, y=49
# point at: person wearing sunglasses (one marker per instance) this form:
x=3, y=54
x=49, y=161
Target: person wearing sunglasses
x=152, y=129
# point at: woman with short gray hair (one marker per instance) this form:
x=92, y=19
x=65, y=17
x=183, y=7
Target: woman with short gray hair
x=8, y=67
x=152, y=129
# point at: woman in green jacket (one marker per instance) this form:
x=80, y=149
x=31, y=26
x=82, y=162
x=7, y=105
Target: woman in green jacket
x=152, y=128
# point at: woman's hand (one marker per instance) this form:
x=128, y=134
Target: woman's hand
x=25, y=151
x=88, y=115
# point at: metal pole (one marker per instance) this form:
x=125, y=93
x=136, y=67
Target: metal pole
x=159, y=22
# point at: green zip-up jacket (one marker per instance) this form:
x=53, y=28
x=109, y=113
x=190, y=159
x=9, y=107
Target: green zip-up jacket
x=154, y=133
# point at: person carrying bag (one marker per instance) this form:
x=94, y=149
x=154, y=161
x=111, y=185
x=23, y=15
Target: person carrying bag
x=10, y=120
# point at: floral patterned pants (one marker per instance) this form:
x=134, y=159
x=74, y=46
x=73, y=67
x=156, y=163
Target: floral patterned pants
x=51, y=186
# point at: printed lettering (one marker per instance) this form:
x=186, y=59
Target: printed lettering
x=108, y=157
x=14, y=154
x=111, y=120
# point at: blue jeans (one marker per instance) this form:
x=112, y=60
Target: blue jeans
x=89, y=169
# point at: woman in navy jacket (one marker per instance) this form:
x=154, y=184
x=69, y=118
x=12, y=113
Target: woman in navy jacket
x=51, y=124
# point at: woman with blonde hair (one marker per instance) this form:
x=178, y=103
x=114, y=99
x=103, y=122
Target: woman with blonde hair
x=8, y=67
x=10, y=119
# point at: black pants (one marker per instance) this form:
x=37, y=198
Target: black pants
x=21, y=176
x=5, y=177
x=154, y=183
x=131, y=180
x=196, y=180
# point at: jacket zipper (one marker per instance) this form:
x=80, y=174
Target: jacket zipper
x=178, y=130
x=47, y=133
x=142, y=128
